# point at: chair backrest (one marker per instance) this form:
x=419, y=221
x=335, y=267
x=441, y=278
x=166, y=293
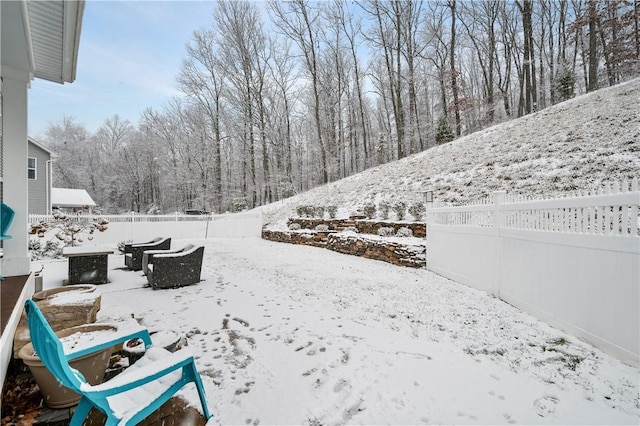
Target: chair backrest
x=49, y=348
x=6, y=217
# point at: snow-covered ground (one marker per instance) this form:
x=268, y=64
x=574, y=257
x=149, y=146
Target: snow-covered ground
x=287, y=334
x=573, y=146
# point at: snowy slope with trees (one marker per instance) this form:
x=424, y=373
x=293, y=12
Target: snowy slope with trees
x=576, y=145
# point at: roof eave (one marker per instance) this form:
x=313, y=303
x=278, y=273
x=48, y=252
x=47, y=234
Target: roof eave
x=63, y=69
x=72, y=29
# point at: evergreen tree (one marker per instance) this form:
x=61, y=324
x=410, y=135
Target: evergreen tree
x=444, y=133
x=565, y=84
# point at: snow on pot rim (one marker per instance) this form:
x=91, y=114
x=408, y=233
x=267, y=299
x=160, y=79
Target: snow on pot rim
x=66, y=295
x=73, y=339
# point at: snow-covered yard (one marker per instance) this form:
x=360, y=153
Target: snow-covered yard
x=287, y=334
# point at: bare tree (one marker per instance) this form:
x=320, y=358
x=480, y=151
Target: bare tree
x=299, y=21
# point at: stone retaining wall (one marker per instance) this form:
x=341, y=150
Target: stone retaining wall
x=411, y=255
x=364, y=226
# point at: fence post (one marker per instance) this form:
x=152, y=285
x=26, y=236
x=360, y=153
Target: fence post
x=498, y=199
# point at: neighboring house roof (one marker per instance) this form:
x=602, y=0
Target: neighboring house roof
x=65, y=197
x=42, y=147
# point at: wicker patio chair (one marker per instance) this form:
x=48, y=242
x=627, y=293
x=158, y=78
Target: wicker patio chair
x=133, y=252
x=147, y=256
x=171, y=270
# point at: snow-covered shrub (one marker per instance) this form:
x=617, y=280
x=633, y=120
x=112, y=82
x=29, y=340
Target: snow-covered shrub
x=351, y=230
x=305, y=211
x=369, y=210
x=400, y=209
x=48, y=250
x=239, y=205
x=70, y=229
x=404, y=232
x=385, y=231
x=384, y=207
x=319, y=211
x=417, y=211
x=333, y=210
x=322, y=228
x=294, y=226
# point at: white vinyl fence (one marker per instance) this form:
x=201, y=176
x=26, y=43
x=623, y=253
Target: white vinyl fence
x=572, y=262
x=135, y=227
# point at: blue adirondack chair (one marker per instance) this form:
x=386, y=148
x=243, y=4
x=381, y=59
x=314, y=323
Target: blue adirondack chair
x=6, y=217
x=125, y=399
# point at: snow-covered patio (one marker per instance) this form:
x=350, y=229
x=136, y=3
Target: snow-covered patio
x=288, y=334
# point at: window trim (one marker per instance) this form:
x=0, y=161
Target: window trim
x=34, y=168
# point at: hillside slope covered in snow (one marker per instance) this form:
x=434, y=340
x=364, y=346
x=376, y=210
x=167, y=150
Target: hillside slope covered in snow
x=576, y=145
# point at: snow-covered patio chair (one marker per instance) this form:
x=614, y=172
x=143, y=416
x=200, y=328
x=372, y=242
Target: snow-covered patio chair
x=170, y=270
x=133, y=252
x=147, y=256
x=129, y=397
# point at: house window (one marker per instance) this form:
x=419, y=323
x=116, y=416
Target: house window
x=31, y=168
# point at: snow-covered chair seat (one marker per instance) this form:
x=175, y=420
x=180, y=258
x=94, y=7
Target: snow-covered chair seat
x=129, y=397
x=147, y=256
x=133, y=252
x=171, y=270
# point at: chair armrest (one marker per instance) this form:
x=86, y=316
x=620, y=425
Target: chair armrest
x=133, y=377
x=152, y=252
x=123, y=334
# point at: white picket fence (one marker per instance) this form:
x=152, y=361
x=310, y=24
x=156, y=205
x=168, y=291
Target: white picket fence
x=573, y=262
x=135, y=227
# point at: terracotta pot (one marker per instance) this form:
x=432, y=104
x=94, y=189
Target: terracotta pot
x=92, y=366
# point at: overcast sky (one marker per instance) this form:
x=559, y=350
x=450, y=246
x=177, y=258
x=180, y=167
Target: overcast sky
x=130, y=54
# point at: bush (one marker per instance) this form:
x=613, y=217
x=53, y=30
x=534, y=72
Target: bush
x=369, y=210
x=400, y=209
x=70, y=230
x=322, y=228
x=351, y=230
x=385, y=231
x=294, y=227
x=417, y=210
x=305, y=211
x=319, y=211
x=333, y=210
x=404, y=232
x=50, y=249
x=384, y=210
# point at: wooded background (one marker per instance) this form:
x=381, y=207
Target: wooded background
x=282, y=97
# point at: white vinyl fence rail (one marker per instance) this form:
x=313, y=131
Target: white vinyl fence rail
x=135, y=227
x=573, y=262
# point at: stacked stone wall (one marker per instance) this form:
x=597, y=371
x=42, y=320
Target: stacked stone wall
x=411, y=255
x=364, y=226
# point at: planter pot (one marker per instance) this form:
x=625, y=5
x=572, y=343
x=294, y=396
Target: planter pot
x=92, y=367
x=55, y=292
x=63, y=307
